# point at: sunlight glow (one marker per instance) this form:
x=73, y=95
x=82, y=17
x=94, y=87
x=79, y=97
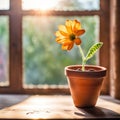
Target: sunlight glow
x=4, y=4
x=39, y=4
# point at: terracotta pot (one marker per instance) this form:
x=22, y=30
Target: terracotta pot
x=85, y=85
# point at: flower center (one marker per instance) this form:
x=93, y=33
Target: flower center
x=72, y=37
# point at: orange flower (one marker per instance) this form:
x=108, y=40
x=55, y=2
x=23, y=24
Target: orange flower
x=69, y=33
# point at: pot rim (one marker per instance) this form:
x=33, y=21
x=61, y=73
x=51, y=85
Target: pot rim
x=71, y=70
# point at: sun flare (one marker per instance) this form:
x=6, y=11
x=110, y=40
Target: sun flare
x=39, y=4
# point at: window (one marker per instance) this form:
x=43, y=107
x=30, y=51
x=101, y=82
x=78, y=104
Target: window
x=4, y=5
x=31, y=42
x=4, y=49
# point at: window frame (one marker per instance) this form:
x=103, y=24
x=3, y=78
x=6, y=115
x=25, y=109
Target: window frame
x=16, y=13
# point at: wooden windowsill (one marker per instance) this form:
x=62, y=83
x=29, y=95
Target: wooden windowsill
x=55, y=107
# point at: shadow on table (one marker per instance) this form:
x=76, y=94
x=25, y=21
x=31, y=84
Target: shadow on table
x=9, y=100
x=110, y=99
x=97, y=112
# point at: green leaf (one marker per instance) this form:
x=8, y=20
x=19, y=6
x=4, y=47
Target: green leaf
x=93, y=50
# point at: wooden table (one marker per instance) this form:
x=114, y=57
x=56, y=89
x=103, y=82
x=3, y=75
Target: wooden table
x=55, y=107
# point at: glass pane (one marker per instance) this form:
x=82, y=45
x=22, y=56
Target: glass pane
x=4, y=4
x=44, y=61
x=4, y=37
x=60, y=4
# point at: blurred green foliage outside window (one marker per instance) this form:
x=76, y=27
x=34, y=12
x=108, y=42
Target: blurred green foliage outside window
x=44, y=61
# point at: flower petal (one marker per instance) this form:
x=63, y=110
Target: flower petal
x=64, y=34
x=67, y=42
x=69, y=26
x=61, y=34
x=70, y=46
x=79, y=32
x=61, y=40
x=66, y=46
x=77, y=41
x=68, y=23
x=57, y=33
x=62, y=28
x=76, y=25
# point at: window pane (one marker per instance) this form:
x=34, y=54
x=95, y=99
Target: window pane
x=60, y=4
x=4, y=36
x=44, y=61
x=4, y=4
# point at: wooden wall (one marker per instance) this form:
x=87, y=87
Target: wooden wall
x=115, y=49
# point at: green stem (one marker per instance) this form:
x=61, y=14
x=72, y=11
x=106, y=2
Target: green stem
x=83, y=58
